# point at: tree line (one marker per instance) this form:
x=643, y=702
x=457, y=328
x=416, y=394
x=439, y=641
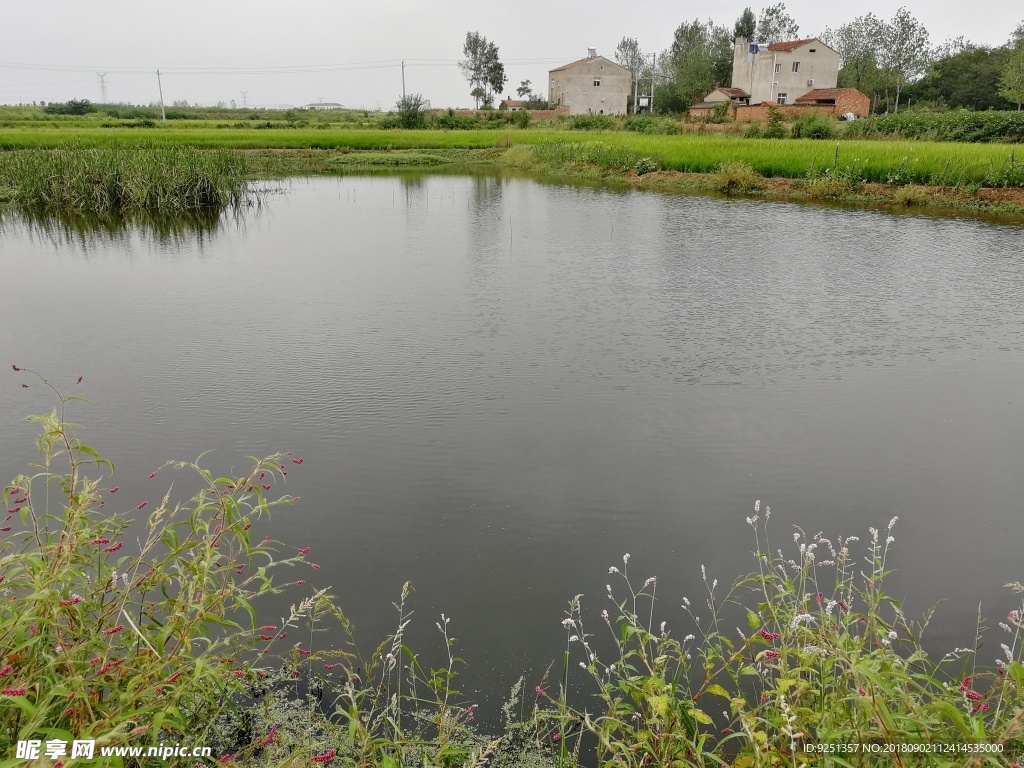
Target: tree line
x=892, y=61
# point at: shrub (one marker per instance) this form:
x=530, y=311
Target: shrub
x=736, y=176
x=753, y=131
x=590, y=122
x=645, y=165
x=909, y=195
x=959, y=125
x=410, y=111
x=813, y=125
x=719, y=113
x=453, y=122
x=72, y=107
x=776, y=127
x=639, y=124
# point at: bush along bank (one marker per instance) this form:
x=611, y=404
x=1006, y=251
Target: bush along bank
x=165, y=640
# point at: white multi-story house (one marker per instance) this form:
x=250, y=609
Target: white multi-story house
x=783, y=72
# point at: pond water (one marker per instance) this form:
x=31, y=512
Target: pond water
x=500, y=386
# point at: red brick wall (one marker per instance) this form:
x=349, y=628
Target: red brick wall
x=536, y=114
x=852, y=101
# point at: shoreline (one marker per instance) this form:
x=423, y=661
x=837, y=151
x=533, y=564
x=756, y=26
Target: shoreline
x=1006, y=204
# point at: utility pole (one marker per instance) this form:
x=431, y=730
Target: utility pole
x=654, y=67
x=403, y=80
x=160, y=85
x=245, y=99
x=103, y=87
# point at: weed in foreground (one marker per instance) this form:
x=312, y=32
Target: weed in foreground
x=827, y=658
x=162, y=640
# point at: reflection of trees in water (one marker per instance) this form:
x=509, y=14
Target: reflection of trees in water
x=487, y=195
x=192, y=228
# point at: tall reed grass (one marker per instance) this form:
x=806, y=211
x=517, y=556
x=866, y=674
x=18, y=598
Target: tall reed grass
x=122, y=180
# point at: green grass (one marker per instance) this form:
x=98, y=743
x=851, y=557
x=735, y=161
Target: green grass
x=120, y=180
x=896, y=162
x=388, y=159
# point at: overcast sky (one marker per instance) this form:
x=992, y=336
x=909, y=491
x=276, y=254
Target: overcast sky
x=51, y=50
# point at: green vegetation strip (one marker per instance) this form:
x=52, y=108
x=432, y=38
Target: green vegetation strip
x=892, y=162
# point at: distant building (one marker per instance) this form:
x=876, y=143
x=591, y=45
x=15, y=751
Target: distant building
x=591, y=86
x=513, y=105
x=783, y=72
x=802, y=74
x=324, y=105
x=717, y=96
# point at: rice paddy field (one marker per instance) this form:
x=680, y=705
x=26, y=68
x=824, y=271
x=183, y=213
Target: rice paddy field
x=894, y=162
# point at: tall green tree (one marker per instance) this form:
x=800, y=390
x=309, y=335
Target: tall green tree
x=700, y=58
x=905, y=51
x=496, y=77
x=482, y=68
x=745, y=26
x=474, y=66
x=1011, y=82
x=859, y=43
x=629, y=55
x=774, y=25
x=968, y=78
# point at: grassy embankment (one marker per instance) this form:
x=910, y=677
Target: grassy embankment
x=905, y=172
x=144, y=620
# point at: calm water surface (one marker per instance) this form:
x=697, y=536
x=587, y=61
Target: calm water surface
x=500, y=386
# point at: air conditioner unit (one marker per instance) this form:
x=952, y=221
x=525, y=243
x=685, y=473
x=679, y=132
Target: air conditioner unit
x=810, y=82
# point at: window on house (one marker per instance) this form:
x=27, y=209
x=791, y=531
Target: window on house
x=813, y=50
x=796, y=66
x=781, y=99
x=778, y=68
x=597, y=81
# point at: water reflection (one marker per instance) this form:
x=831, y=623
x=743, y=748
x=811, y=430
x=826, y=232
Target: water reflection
x=500, y=386
x=195, y=229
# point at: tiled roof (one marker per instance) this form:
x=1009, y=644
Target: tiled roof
x=734, y=92
x=581, y=61
x=790, y=45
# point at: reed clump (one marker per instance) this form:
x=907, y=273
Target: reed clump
x=121, y=181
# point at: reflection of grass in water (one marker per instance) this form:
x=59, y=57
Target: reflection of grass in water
x=183, y=227
x=391, y=159
x=120, y=181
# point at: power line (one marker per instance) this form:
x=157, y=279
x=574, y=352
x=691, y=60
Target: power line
x=288, y=70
